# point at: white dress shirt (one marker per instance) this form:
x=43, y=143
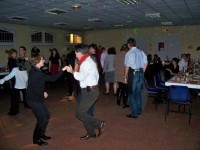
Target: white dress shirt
x=88, y=74
x=21, y=78
x=182, y=63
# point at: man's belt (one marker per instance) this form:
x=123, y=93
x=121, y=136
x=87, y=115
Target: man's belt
x=139, y=69
x=89, y=88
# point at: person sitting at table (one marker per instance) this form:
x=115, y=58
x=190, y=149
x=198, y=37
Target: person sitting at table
x=21, y=78
x=183, y=62
x=172, y=69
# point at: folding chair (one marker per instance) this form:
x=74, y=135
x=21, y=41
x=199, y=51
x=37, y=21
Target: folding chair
x=152, y=92
x=179, y=95
x=161, y=87
x=159, y=84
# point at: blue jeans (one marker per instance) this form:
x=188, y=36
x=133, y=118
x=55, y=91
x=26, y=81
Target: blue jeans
x=79, y=98
x=135, y=98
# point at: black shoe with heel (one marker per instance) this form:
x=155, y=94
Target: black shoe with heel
x=131, y=116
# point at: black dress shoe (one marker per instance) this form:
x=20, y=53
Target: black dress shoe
x=40, y=142
x=105, y=93
x=128, y=115
x=44, y=137
x=124, y=106
x=26, y=106
x=87, y=136
x=101, y=128
x=12, y=114
x=68, y=94
x=131, y=116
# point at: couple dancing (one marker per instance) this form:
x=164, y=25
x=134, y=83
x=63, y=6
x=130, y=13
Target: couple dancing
x=87, y=75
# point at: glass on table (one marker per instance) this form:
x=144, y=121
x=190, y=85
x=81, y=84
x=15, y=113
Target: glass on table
x=178, y=79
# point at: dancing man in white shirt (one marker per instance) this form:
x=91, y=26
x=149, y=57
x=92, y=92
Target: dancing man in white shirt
x=88, y=77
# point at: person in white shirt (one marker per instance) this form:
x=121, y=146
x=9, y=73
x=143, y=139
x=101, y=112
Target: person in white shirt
x=104, y=54
x=88, y=77
x=182, y=63
x=21, y=78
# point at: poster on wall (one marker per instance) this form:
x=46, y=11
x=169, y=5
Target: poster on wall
x=161, y=46
x=167, y=46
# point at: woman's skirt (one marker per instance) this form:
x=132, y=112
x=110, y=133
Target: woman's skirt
x=109, y=77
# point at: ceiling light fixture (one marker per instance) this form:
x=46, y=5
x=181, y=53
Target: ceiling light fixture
x=129, y=21
x=55, y=11
x=18, y=18
x=76, y=6
x=167, y=23
x=118, y=25
x=128, y=2
x=152, y=15
x=94, y=20
x=60, y=24
x=87, y=27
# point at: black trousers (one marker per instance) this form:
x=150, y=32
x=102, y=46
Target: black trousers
x=123, y=87
x=42, y=115
x=15, y=95
x=122, y=92
x=70, y=83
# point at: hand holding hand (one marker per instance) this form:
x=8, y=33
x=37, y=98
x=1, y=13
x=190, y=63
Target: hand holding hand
x=125, y=80
x=26, y=58
x=45, y=95
x=64, y=68
x=69, y=69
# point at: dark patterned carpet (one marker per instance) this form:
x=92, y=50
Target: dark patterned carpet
x=148, y=132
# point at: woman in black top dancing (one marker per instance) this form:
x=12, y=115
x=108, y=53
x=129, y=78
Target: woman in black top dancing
x=35, y=97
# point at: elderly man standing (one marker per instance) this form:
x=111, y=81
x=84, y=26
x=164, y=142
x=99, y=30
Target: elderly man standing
x=88, y=76
x=135, y=66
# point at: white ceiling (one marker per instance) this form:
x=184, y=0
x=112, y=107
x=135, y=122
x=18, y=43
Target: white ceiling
x=111, y=13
